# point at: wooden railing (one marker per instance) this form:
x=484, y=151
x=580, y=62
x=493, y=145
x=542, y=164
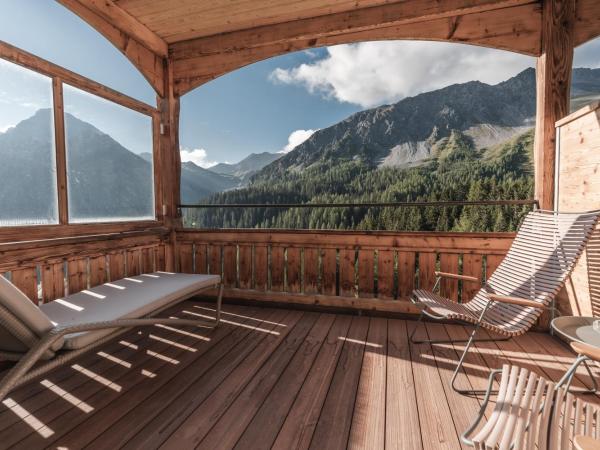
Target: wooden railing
x=350, y=269
x=48, y=269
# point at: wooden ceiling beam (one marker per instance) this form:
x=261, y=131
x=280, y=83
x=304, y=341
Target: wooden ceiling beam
x=515, y=29
x=360, y=19
x=150, y=64
x=122, y=20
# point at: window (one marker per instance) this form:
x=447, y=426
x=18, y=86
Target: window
x=585, y=80
x=109, y=160
x=27, y=148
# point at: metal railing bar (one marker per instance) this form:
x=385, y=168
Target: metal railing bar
x=364, y=205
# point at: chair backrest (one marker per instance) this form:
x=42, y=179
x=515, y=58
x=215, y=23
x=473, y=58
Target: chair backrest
x=536, y=266
x=572, y=416
x=17, y=312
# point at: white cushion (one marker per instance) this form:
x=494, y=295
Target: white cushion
x=129, y=298
x=25, y=310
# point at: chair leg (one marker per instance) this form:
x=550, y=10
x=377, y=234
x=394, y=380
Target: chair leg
x=569, y=374
x=460, y=365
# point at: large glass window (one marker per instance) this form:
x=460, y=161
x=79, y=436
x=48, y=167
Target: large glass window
x=27, y=150
x=109, y=160
x=585, y=82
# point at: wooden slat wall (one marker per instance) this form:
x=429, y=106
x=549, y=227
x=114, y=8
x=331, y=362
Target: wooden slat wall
x=46, y=270
x=345, y=268
x=578, y=189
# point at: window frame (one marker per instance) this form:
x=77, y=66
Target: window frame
x=59, y=77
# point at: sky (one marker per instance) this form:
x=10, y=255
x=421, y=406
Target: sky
x=270, y=106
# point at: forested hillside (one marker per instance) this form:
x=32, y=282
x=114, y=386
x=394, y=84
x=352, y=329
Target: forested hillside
x=456, y=170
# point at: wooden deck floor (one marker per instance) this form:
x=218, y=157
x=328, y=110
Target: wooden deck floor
x=266, y=378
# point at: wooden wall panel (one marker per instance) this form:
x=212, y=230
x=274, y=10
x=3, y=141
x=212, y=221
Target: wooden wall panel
x=53, y=281
x=214, y=262
x=472, y=266
x=116, y=262
x=245, y=267
x=261, y=267
x=98, y=273
x=201, y=258
x=406, y=274
x=186, y=258
x=230, y=265
x=311, y=270
x=427, y=269
x=347, y=273
x=385, y=274
x=294, y=269
x=329, y=271
x=147, y=260
x=366, y=273
x=578, y=189
x=449, y=264
x=134, y=262
x=277, y=268
x=77, y=275
x=26, y=280
x=160, y=258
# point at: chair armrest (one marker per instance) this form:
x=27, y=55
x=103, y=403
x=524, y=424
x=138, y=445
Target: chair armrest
x=457, y=277
x=588, y=350
x=515, y=301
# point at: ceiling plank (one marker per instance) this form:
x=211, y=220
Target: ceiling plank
x=360, y=19
x=515, y=29
x=146, y=61
x=128, y=24
x=587, y=21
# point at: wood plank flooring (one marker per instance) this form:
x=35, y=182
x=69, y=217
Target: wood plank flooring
x=268, y=378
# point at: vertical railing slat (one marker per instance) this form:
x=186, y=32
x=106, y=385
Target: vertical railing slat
x=449, y=286
x=366, y=273
x=293, y=269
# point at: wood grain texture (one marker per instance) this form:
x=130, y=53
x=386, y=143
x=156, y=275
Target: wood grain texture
x=449, y=286
x=553, y=81
x=472, y=266
x=385, y=274
x=277, y=267
x=273, y=379
x=348, y=273
x=293, y=267
x=26, y=281
x=311, y=270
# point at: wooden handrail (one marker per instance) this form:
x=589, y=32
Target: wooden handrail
x=456, y=276
x=515, y=301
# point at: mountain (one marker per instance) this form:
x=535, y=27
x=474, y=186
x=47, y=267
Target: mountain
x=105, y=179
x=198, y=183
x=247, y=166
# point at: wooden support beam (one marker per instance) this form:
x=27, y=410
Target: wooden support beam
x=515, y=28
x=553, y=80
x=128, y=24
x=61, y=151
x=360, y=19
x=145, y=60
x=169, y=163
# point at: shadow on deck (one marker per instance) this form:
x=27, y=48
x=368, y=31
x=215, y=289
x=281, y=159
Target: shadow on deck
x=268, y=378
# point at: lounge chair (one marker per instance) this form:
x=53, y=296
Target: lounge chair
x=532, y=412
x=525, y=284
x=63, y=329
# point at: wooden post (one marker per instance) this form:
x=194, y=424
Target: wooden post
x=170, y=162
x=553, y=81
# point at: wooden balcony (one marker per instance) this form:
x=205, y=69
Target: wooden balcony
x=268, y=377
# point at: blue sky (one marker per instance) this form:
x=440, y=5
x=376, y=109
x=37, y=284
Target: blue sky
x=268, y=106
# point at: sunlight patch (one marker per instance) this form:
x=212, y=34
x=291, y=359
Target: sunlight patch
x=99, y=378
x=237, y=324
x=28, y=418
x=80, y=404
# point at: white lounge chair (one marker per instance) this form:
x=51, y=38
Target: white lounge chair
x=532, y=412
x=63, y=329
x=526, y=283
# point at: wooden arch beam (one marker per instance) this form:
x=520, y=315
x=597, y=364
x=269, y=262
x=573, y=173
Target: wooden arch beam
x=130, y=43
x=516, y=28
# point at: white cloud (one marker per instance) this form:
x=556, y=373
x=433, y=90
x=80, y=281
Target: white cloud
x=296, y=138
x=373, y=73
x=198, y=156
